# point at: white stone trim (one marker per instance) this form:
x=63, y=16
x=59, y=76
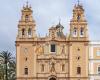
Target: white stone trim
x=91, y=52
x=95, y=42
x=95, y=61
x=91, y=70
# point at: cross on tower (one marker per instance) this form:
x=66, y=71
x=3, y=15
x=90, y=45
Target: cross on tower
x=27, y=3
x=59, y=20
x=78, y=2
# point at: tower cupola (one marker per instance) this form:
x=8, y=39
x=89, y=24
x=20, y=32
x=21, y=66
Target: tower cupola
x=26, y=26
x=78, y=24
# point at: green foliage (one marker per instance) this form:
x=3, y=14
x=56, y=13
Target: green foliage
x=1, y=72
x=7, y=66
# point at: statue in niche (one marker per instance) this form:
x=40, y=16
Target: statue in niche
x=63, y=49
x=39, y=49
x=52, y=67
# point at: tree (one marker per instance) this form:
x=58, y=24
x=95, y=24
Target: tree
x=1, y=72
x=8, y=65
x=12, y=71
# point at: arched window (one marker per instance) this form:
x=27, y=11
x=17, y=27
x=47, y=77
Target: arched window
x=75, y=32
x=26, y=18
x=29, y=32
x=23, y=31
x=82, y=31
x=78, y=70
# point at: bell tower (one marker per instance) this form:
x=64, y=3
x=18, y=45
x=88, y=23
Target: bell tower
x=78, y=45
x=26, y=26
x=25, y=54
x=78, y=24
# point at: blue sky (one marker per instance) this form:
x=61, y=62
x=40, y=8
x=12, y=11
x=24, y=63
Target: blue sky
x=46, y=13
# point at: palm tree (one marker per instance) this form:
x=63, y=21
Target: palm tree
x=1, y=72
x=12, y=71
x=7, y=59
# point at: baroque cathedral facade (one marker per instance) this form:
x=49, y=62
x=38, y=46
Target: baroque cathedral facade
x=55, y=56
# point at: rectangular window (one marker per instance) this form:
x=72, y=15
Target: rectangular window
x=53, y=48
x=26, y=71
x=99, y=70
x=98, y=52
x=78, y=70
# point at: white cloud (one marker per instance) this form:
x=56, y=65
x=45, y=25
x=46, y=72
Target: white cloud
x=46, y=13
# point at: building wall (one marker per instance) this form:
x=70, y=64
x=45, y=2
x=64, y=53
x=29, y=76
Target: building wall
x=82, y=62
x=35, y=59
x=94, y=60
x=55, y=56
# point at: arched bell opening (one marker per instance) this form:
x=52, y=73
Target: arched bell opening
x=29, y=32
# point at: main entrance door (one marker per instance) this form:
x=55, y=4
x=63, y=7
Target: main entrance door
x=52, y=78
